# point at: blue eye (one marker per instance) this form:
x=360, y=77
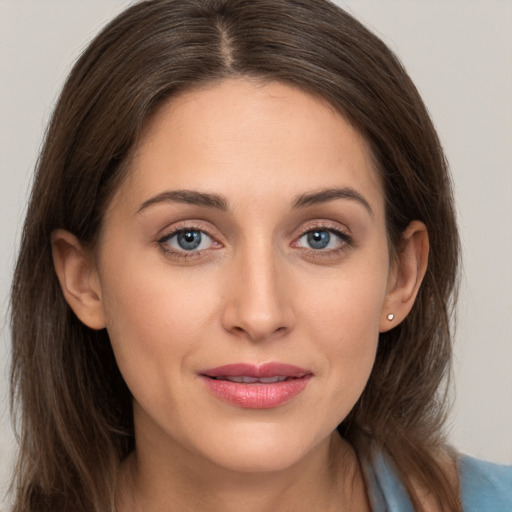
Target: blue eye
x=188, y=240
x=319, y=239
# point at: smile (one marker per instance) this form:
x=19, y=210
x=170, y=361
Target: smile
x=256, y=387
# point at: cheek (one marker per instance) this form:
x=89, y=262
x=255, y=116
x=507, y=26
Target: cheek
x=347, y=304
x=343, y=317
x=155, y=319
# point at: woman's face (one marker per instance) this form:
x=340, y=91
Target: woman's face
x=250, y=232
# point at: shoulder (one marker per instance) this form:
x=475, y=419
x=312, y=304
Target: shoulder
x=485, y=486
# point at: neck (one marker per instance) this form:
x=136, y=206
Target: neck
x=328, y=479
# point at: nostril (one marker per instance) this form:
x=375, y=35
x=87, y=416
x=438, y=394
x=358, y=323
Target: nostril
x=257, y=316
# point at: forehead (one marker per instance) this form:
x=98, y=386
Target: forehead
x=252, y=138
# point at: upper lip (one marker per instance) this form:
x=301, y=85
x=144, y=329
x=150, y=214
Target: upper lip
x=256, y=371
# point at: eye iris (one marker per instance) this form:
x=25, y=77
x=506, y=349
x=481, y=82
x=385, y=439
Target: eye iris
x=319, y=239
x=189, y=240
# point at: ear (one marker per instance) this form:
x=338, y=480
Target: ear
x=78, y=278
x=406, y=275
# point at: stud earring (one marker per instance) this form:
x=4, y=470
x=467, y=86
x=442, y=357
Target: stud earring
x=390, y=317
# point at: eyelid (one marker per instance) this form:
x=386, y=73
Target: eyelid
x=346, y=240
x=325, y=225
x=339, y=230
x=166, y=239
x=190, y=225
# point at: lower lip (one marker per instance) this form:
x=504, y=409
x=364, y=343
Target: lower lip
x=258, y=395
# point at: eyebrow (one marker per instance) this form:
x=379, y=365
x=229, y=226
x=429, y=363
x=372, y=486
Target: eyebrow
x=219, y=202
x=187, y=197
x=330, y=194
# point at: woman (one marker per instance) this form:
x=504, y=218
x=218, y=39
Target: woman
x=236, y=275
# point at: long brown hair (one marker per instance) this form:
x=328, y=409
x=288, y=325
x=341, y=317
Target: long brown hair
x=73, y=407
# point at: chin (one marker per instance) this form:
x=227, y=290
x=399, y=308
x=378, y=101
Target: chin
x=260, y=451
x=258, y=461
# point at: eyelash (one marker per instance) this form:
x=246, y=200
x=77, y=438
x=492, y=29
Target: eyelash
x=183, y=254
x=345, y=241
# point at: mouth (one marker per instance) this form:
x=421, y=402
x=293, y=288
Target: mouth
x=256, y=387
x=244, y=379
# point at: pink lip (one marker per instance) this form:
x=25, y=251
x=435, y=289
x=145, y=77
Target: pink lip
x=257, y=395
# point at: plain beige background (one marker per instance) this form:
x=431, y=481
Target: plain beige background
x=458, y=52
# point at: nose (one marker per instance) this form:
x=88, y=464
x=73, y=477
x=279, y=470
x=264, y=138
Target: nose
x=258, y=305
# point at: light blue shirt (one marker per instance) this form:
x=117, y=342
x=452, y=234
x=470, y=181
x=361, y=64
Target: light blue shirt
x=485, y=487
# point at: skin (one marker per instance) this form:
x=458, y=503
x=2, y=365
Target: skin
x=255, y=291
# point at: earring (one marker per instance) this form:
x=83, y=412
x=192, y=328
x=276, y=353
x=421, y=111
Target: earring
x=390, y=317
